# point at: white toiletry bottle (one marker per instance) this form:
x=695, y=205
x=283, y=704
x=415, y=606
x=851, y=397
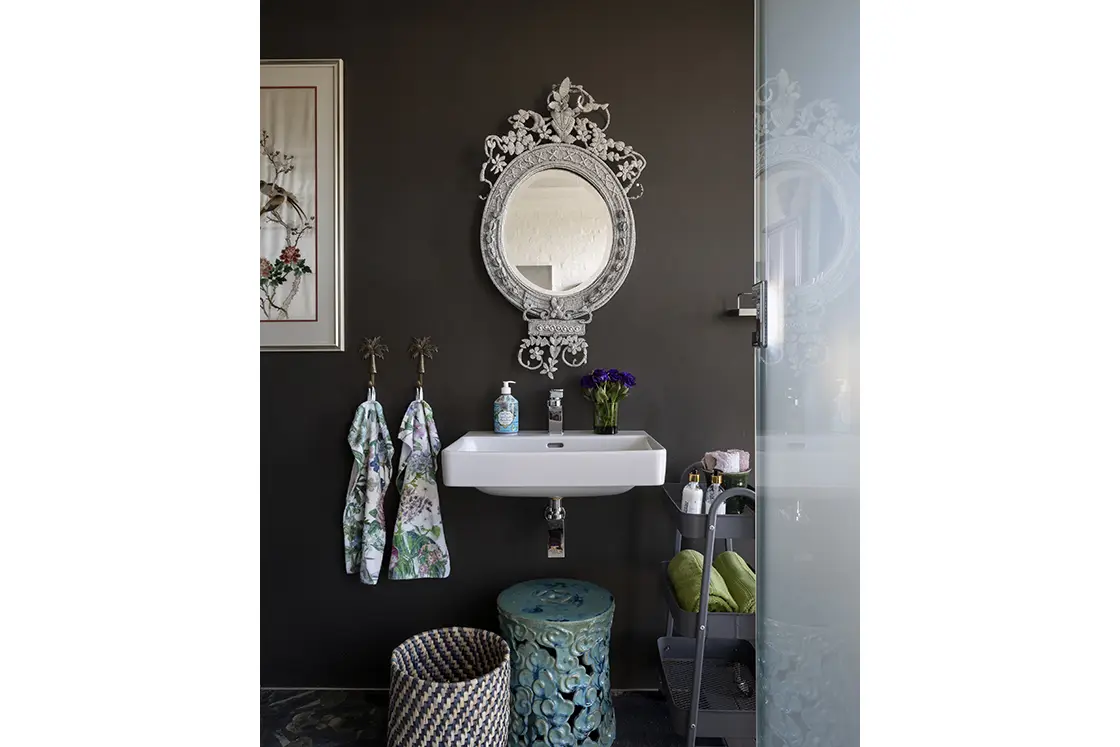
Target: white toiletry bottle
x=692, y=496
x=713, y=490
x=505, y=411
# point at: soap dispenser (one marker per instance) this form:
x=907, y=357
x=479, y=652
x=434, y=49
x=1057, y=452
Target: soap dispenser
x=505, y=411
x=692, y=496
x=714, y=490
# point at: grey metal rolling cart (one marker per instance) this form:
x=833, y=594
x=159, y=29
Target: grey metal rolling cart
x=708, y=659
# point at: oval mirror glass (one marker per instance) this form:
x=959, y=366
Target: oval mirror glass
x=557, y=231
x=805, y=231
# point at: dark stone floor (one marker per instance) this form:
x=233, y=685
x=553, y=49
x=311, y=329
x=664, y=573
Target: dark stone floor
x=357, y=718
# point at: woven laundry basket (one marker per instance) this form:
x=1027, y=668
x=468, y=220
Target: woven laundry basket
x=449, y=688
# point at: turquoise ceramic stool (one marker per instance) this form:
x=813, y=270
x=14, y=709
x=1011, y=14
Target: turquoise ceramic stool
x=559, y=635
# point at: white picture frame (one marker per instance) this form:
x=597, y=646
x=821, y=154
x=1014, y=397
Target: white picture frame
x=301, y=200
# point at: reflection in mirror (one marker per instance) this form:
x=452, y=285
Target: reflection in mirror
x=557, y=231
x=804, y=230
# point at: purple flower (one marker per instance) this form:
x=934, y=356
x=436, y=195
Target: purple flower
x=611, y=382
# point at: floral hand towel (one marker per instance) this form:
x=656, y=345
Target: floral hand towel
x=363, y=518
x=419, y=547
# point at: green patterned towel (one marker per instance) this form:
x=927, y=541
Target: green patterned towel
x=740, y=580
x=363, y=518
x=686, y=576
x=419, y=544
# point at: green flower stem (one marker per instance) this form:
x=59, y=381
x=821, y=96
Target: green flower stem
x=606, y=417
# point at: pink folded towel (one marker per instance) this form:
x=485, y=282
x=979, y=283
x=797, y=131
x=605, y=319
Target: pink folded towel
x=728, y=460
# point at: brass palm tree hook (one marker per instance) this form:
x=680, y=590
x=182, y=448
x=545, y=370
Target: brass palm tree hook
x=373, y=349
x=421, y=347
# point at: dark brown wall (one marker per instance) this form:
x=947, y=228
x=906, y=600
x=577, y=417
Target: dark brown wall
x=425, y=82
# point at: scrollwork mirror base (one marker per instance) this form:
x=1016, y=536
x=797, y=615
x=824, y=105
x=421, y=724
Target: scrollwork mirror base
x=552, y=342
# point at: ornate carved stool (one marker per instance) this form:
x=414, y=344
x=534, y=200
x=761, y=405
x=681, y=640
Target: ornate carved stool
x=559, y=635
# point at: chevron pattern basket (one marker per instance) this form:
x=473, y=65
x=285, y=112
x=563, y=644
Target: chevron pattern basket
x=450, y=688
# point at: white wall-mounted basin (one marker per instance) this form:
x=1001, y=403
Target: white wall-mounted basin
x=535, y=464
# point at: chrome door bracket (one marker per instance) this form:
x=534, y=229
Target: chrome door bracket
x=757, y=309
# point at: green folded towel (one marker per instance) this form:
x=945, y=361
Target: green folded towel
x=686, y=577
x=739, y=578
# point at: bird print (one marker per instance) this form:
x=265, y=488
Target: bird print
x=277, y=196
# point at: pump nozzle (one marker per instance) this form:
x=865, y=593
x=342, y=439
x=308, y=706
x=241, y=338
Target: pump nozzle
x=505, y=386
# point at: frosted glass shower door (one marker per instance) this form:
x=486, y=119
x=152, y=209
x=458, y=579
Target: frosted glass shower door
x=807, y=251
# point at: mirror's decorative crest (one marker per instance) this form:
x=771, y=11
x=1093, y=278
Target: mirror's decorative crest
x=565, y=124
x=777, y=114
x=567, y=138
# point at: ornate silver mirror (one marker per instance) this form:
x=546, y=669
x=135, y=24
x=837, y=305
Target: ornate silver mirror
x=806, y=166
x=808, y=156
x=557, y=229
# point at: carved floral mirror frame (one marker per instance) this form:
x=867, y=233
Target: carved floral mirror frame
x=564, y=139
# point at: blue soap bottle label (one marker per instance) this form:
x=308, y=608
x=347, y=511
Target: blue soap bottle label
x=505, y=411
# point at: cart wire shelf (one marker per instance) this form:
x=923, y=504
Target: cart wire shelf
x=726, y=685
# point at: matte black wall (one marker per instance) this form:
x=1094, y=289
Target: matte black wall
x=425, y=82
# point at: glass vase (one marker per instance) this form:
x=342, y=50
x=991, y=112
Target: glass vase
x=606, y=417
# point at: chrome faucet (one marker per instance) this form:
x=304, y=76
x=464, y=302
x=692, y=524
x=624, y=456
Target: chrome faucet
x=556, y=412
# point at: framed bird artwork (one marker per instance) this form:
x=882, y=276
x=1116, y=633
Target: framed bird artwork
x=301, y=283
